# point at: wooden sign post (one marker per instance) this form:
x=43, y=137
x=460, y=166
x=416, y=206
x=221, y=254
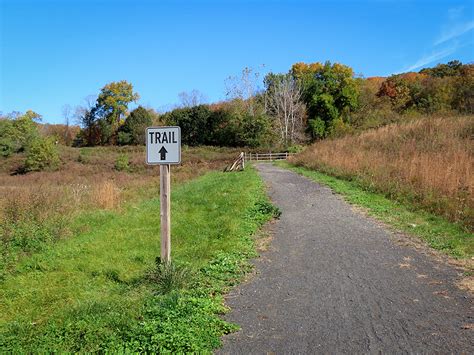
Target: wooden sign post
x=165, y=212
x=163, y=147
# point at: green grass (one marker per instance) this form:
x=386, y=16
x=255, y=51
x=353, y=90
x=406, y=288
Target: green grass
x=93, y=292
x=436, y=231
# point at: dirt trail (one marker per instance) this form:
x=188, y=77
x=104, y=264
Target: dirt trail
x=334, y=281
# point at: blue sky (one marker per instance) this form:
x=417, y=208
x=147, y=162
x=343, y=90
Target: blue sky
x=58, y=52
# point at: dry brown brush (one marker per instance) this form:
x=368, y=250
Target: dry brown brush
x=429, y=162
x=37, y=208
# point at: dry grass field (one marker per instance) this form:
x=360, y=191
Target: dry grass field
x=428, y=162
x=36, y=208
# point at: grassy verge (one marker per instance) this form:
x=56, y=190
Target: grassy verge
x=101, y=290
x=37, y=209
x=437, y=232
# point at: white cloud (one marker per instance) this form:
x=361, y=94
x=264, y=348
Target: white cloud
x=455, y=31
x=427, y=59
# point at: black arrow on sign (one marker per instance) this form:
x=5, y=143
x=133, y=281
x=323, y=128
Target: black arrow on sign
x=163, y=152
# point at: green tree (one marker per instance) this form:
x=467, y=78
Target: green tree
x=253, y=130
x=8, y=145
x=18, y=132
x=317, y=128
x=25, y=128
x=112, y=105
x=330, y=92
x=193, y=122
x=133, y=130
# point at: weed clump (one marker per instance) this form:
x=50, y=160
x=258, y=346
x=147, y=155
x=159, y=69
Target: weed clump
x=168, y=276
x=263, y=209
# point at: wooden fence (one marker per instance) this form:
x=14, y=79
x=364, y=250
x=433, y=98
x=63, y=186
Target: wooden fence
x=266, y=156
x=239, y=163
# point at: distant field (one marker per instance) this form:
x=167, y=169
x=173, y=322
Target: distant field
x=36, y=209
x=428, y=163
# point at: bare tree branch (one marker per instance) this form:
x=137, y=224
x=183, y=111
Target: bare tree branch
x=283, y=102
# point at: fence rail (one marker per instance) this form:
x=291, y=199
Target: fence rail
x=267, y=156
x=239, y=163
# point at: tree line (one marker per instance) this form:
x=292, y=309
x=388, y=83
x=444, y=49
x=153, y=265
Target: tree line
x=311, y=101
x=319, y=100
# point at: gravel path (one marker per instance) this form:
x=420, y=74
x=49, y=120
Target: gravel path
x=333, y=281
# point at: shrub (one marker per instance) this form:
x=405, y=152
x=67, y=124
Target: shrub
x=122, y=163
x=42, y=154
x=317, y=128
x=338, y=128
x=297, y=148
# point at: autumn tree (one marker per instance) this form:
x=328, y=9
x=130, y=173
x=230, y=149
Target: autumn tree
x=463, y=97
x=102, y=119
x=452, y=68
x=419, y=92
x=400, y=88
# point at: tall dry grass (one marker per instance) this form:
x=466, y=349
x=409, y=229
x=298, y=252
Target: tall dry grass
x=88, y=179
x=37, y=208
x=429, y=162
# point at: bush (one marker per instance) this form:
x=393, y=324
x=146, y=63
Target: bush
x=338, y=128
x=42, y=154
x=122, y=163
x=317, y=128
x=297, y=148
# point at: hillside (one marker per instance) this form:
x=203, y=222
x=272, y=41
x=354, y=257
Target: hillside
x=428, y=162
